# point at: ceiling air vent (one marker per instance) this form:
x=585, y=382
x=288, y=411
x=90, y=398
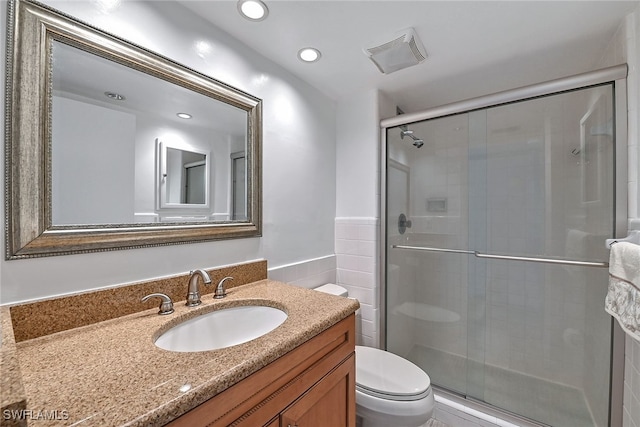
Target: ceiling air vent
x=405, y=50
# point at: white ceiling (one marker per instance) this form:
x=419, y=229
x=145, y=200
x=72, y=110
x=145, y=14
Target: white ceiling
x=81, y=75
x=473, y=47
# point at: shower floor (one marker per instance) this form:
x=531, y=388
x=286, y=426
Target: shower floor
x=535, y=398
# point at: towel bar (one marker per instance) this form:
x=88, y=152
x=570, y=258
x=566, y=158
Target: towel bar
x=633, y=237
x=507, y=257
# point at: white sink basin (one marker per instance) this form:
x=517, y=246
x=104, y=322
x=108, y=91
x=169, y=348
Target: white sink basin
x=221, y=328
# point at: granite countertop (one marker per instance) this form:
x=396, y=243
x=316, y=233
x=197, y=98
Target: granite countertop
x=111, y=373
x=12, y=394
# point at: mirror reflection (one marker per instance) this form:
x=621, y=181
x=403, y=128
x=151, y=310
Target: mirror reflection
x=88, y=111
x=107, y=119
x=183, y=177
x=186, y=177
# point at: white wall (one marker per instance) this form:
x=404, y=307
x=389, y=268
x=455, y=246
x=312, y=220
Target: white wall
x=299, y=172
x=357, y=156
x=97, y=152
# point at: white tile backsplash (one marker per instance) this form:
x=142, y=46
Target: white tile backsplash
x=354, y=266
x=307, y=274
x=357, y=270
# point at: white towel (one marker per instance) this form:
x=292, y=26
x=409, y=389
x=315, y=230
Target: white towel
x=623, y=298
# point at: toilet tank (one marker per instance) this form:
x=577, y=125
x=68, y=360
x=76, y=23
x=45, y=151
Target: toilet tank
x=333, y=289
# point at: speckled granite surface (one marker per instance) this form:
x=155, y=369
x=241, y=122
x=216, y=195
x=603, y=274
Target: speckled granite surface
x=12, y=393
x=36, y=319
x=111, y=373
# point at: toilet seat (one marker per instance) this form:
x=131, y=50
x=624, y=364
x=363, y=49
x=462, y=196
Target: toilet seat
x=388, y=376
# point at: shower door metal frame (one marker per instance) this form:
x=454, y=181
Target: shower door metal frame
x=616, y=75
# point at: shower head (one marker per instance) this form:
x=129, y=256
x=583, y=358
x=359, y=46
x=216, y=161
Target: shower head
x=409, y=133
x=406, y=132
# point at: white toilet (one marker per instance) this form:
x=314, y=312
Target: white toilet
x=390, y=390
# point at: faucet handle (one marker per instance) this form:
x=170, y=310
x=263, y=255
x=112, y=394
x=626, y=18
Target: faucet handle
x=166, y=305
x=220, y=291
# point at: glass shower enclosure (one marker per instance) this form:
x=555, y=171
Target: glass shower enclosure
x=495, y=259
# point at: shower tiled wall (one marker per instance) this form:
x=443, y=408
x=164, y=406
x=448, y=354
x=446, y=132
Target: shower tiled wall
x=546, y=321
x=526, y=196
x=529, y=306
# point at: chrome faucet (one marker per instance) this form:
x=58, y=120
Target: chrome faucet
x=220, y=291
x=193, y=295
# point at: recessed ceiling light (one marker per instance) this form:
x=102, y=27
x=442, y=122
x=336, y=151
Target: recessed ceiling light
x=309, y=54
x=115, y=96
x=203, y=48
x=184, y=115
x=253, y=10
x=108, y=5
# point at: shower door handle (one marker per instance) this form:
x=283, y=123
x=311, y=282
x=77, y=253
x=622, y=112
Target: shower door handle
x=508, y=257
x=543, y=260
x=426, y=249
x=403, y=223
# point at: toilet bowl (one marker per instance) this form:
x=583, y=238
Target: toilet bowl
x=390, y=390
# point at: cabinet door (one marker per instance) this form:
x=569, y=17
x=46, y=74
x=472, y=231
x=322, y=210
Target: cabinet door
x=274, y=423
x=330, y=402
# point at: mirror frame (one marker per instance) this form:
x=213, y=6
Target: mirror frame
x=29, y=231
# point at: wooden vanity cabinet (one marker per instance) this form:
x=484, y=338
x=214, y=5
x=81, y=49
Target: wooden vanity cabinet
x=327, y=402
x=311, y=386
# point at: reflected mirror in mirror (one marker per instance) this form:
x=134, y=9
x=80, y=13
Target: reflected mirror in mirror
x=106, y=120
x=184, y=177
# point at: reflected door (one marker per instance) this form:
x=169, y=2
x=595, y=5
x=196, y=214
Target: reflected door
x=238, y=190
x=195, y=183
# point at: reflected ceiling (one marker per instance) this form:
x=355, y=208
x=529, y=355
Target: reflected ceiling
x=86, y=77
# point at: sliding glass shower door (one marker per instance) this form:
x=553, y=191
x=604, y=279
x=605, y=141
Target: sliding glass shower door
x=495, y=260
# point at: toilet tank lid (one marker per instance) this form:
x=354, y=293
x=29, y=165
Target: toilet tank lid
x=385, y=373
x=333, y=289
